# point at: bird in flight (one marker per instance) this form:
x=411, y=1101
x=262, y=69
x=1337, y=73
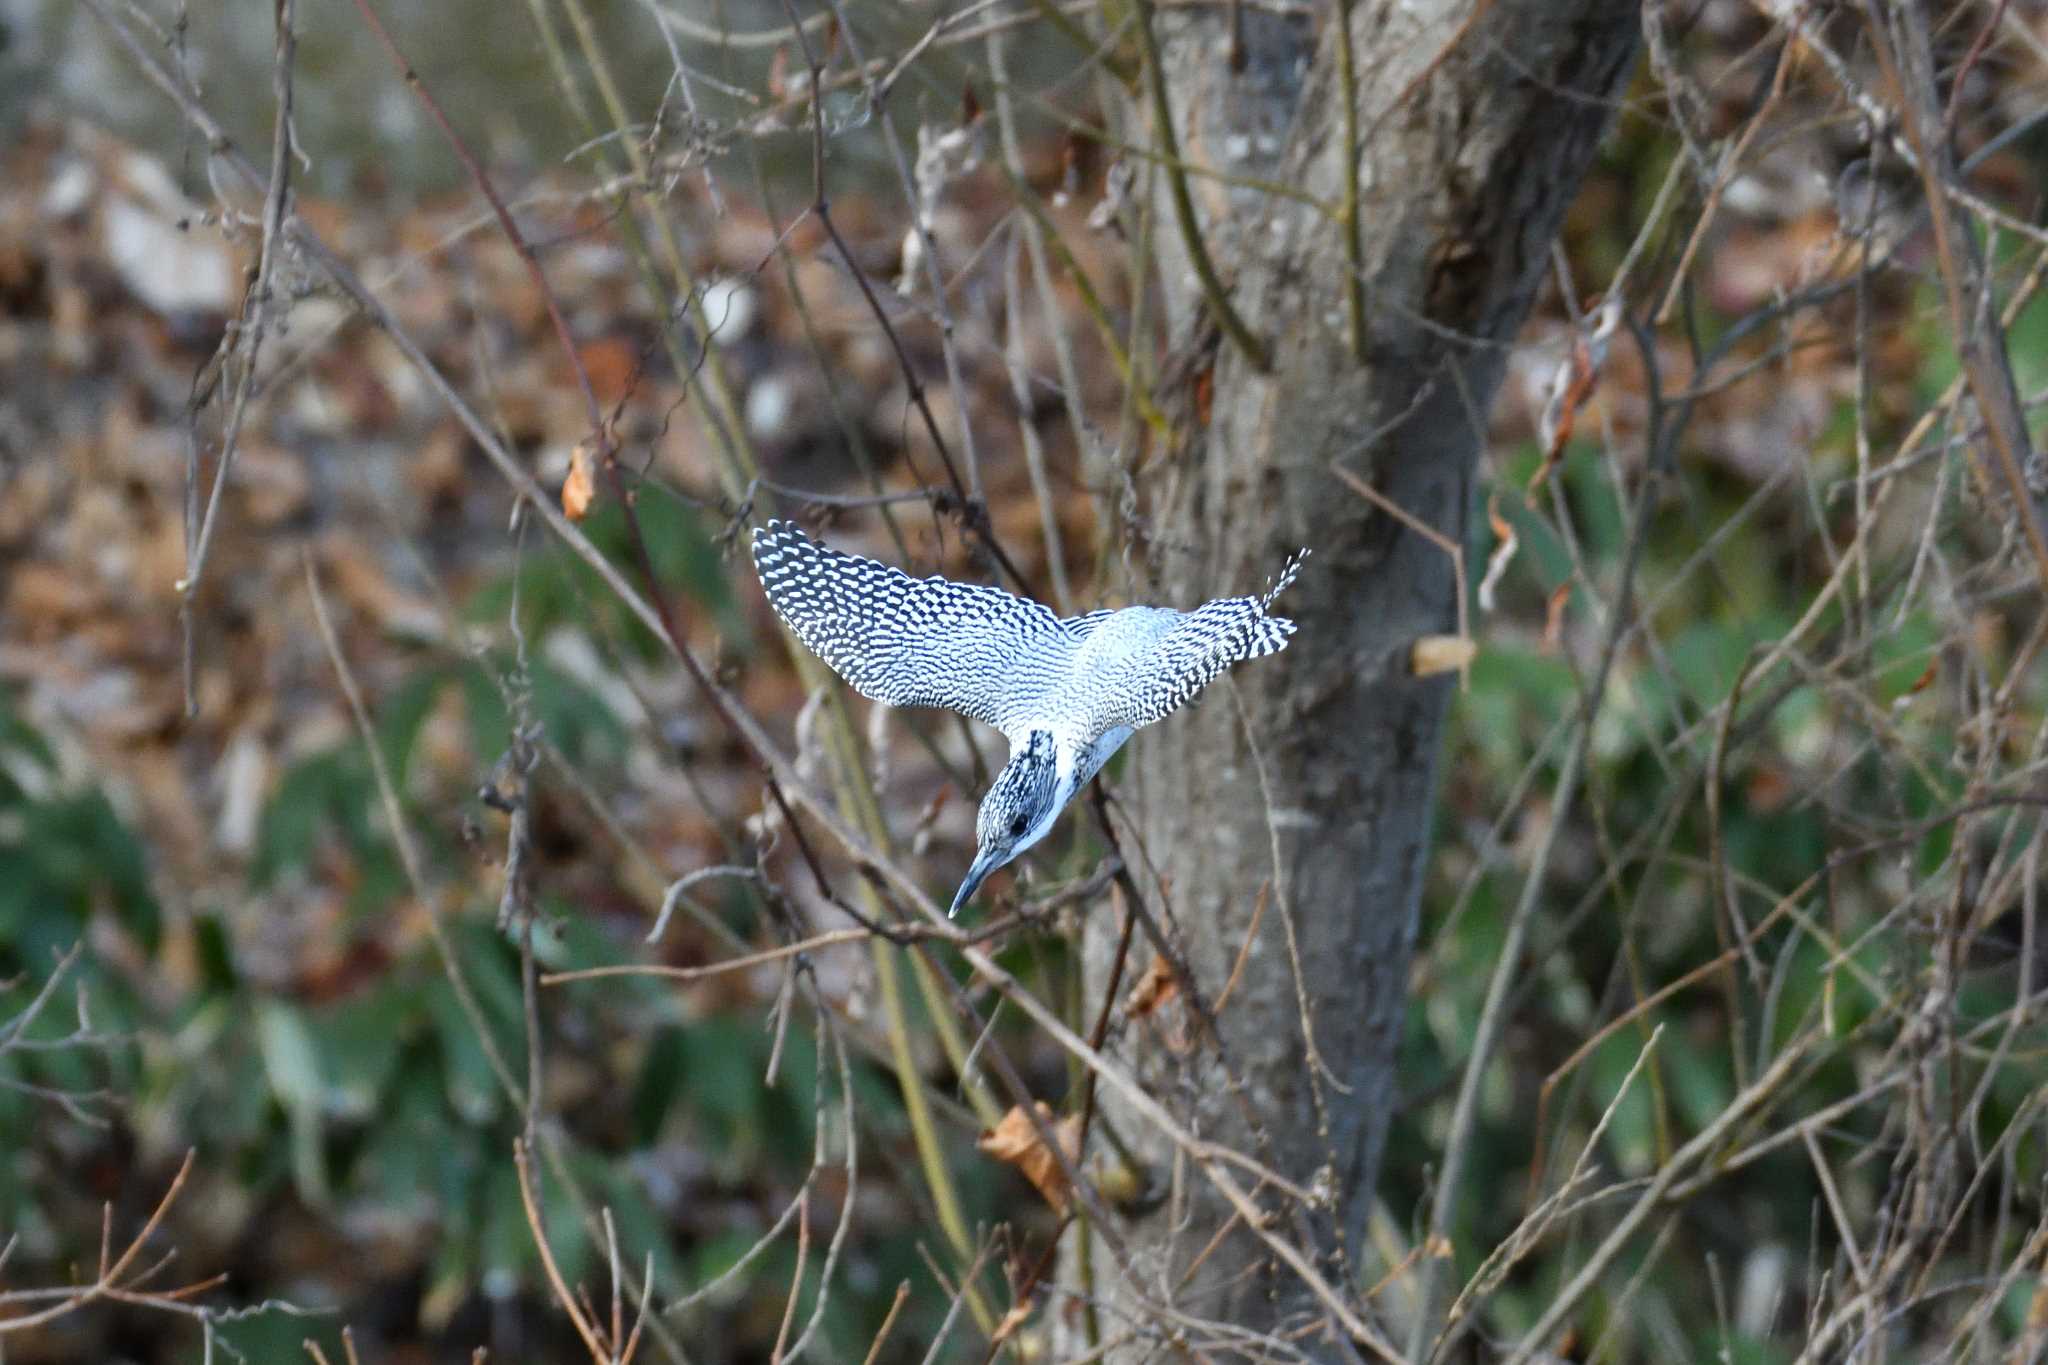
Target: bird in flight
x=1066, y=693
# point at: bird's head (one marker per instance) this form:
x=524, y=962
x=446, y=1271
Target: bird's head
x=1020, y=807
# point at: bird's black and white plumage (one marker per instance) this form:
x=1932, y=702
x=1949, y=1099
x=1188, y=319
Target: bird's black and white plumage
x=1066, y=693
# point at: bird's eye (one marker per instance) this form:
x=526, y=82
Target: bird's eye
x=1017, y=827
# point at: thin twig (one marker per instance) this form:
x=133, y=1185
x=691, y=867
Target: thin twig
x=1213, y=290
x=530, y=1202
x=254, y=322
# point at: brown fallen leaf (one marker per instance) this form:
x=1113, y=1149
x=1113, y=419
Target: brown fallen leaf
x=1016, y=1141
x=1157, y=986
x=579, y=490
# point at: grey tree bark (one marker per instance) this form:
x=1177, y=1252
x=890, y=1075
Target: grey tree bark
x=1475, y=123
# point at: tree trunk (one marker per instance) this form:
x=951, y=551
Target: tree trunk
x=1477, y=122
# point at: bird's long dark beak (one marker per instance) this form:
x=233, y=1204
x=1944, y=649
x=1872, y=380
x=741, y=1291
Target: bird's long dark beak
x=983, y=865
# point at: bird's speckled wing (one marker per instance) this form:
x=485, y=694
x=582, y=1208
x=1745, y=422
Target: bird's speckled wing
x=1080, y=627
x=983, y=652
x=1173, y=655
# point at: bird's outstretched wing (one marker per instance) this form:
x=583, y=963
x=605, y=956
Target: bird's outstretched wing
x=910, y=641
x=1188, y=651
x=1082, y=626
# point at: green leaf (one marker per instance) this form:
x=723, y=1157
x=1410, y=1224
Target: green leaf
x=490, y=724
x=360, y=1040
x=291, y=1059
x=505, y=1250
x=682, y=552
x=415, y=1160
x=323, y=795
x=216, y=954
x=75, y=851
x=723, y=1064
x=658, y=1086
x=578, y=720
x=1903, y=654
x=472, y=1084
x=1631, y=1135
x=402, y=715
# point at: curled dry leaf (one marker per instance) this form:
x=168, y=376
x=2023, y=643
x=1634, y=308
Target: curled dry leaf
x=1016, y=1141
x=1553, y=617
x=1569, y=389
x=579, y=490
x=1157, y=986
x=1503, y=552
x=1572, y=385
x=1018, y=1315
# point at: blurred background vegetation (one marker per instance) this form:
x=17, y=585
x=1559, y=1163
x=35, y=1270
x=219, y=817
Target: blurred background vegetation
x=1808, y=831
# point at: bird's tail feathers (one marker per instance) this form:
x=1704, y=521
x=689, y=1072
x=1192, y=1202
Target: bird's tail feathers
x=1269, y=633
x=1287, y=574
x=1268, y=636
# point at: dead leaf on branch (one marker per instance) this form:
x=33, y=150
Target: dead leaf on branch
x=1571, y=386
x=1503, y=552
x=1553, y=617
x=1157, y=986
x=1012, y=1320
x=1015, y=1140
x=580, y=488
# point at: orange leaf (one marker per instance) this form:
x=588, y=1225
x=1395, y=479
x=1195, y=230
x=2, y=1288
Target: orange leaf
x=580, y=488
x=1016, y=1141
x=1503, y=553
x=1553, y=618
x=1571, y=387
x=1154, y=989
